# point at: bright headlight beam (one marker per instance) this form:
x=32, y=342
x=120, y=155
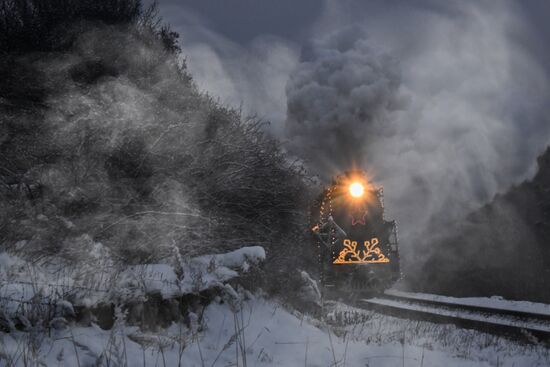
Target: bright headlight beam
x=356, y=189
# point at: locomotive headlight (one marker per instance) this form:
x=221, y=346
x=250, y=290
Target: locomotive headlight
x=356, y=190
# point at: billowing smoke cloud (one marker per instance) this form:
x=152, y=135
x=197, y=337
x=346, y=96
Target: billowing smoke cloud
x=444, y=102
x=340, y=99
x=476, y=121
x=472, y=127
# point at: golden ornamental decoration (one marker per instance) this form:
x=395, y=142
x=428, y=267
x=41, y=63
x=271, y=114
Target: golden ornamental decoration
x=350, y=254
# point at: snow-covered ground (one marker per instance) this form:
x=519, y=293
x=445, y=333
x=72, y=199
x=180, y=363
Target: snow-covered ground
x=236, y=329
x=98, y=280
x=263, y=333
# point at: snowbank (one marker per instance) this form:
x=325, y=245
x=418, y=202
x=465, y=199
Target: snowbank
x=266, y=334
x=197, y=274
x=98, y=280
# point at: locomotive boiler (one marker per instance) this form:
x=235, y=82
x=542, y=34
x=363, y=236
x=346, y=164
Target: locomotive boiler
x=358, y=248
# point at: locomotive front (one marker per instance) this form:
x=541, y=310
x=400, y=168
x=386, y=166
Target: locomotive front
x=358, y=249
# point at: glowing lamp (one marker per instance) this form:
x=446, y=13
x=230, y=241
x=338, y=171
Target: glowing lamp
x=356, y=190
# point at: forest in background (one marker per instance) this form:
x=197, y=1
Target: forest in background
x=502, y=249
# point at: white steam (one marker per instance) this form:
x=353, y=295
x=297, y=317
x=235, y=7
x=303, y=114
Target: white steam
x=340, y=99
x=475, y=119
x=455, y=115
x=476, y=122
x=251, y=76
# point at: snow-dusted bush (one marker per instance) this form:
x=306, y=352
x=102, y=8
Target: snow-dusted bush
x=51, y=294
x=104, y=135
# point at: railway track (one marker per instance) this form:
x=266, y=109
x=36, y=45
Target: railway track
x=527, y=326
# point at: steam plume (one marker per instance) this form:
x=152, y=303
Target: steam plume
x=473, y=125
x=340, y=99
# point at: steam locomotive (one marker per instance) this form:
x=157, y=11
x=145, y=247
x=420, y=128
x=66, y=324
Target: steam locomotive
x=357, y=246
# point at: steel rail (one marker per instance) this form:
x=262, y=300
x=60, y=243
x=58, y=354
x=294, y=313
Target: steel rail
x=481, y=318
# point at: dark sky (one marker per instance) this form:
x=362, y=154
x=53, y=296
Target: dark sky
x=243, y=20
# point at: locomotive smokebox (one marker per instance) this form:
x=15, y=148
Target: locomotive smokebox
x=358, y=248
